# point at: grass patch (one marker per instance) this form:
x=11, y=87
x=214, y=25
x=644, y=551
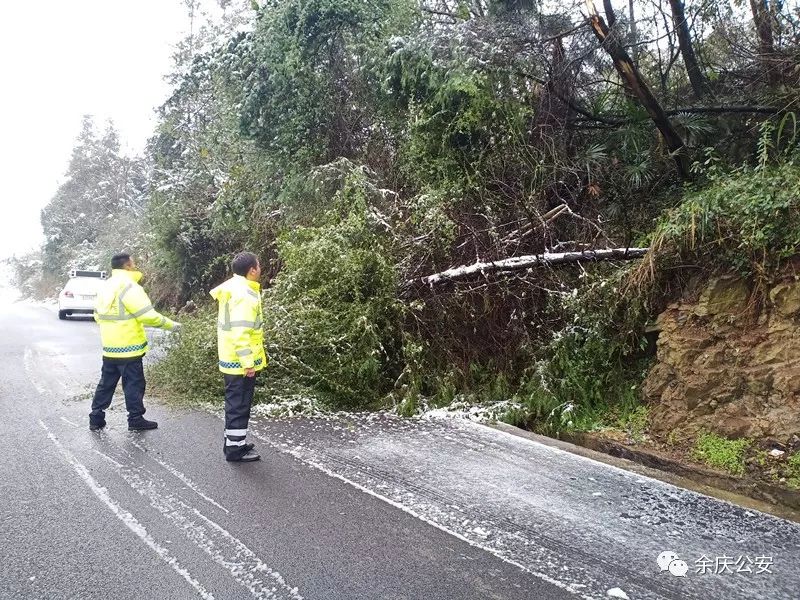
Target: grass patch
x=634, y=422
x=720, y=452
x=793, y=471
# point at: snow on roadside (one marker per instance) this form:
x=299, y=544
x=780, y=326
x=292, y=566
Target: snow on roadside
x=8, y=293
x=308, y=406
x=279, y=407
x=295, y=405
x=462, y=409
x=290, y=406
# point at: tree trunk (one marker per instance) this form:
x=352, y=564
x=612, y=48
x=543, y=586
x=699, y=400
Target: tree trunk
x=554, y=110
x=766, y=47
x=521, y=263
x=612, y=18
x=696, y=76
x=634, y=81
x=634, y=31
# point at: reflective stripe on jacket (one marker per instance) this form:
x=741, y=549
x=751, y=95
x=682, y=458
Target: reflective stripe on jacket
x=122, y=310
x=240, y=338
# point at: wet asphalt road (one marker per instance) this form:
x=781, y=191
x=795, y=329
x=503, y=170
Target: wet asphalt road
x=341, y=507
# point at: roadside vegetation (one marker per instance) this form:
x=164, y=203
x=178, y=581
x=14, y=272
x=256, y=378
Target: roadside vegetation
x=360, y=148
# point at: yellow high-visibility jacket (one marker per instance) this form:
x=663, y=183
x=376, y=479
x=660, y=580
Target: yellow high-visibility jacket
x=240, y=338
x=122, y=310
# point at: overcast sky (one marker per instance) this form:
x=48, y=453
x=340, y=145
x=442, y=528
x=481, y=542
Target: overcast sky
x=60, y=60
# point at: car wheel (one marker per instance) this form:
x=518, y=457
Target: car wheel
x=62, y=314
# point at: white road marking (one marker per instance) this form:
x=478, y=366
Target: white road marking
x=189, y=483
x=126, y=517
x=42, y=373
x=69, y=422
x=32, y=371
x=224, y=549
x=108, y=458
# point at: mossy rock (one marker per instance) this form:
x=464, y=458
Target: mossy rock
x=785, y=297
x=723, y=296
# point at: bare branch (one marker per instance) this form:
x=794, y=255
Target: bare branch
x=441, y=13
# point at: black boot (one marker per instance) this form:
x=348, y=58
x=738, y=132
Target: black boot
x=96, y=425
x=141, y=424
x=233, y=453
x=249, y=456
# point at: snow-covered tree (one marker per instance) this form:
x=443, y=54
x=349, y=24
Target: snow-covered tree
x=102, y=186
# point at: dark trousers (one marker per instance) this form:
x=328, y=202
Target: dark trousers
x=238, y=400
x=131, y=371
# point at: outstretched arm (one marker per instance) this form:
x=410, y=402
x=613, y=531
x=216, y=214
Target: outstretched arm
x=138, y=304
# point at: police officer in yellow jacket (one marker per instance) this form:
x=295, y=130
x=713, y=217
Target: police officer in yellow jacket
x=122, y=310
x=240, y=341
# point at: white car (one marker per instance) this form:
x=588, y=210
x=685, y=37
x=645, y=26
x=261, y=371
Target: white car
x=80, y=293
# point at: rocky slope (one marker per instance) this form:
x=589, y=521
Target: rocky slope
x=727, y=365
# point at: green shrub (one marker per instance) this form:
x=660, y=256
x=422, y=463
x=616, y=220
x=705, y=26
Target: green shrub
x=720, y=452
x=584, y=381
x=539, y=409
x=188, y=370
x=32, y=281
x=332, y=317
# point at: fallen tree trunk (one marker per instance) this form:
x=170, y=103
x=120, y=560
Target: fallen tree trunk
x=520, y=263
